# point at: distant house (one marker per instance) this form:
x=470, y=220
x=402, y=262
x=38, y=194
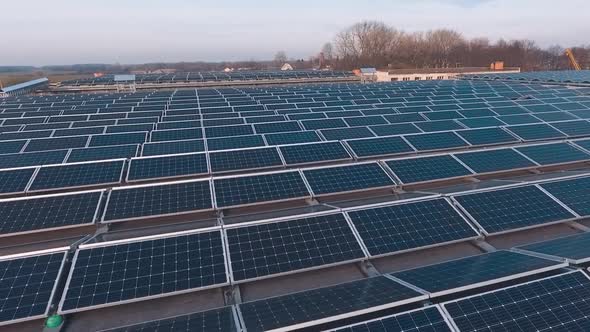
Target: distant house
x=287, y=66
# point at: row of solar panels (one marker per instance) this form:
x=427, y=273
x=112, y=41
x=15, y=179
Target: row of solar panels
x=320, y=180
x=107, y=274
x=582, y=76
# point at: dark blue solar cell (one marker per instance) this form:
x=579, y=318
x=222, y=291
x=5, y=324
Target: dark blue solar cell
x=410, y=225
x=395, y=129
x=346, y=133
x=260, y=188
x=117, y=139
x=227, y=131
x=236, y=142
x=519, y=119
x=486, y=136
x=227, y=161
x=407, y=117
x=277, y=127
x=573, y=128
x=511, y=209
x=555, y=116
x=413, y=170
x=443, y=125
x=103, y=153
x=167, y=167
x=382, y=146
x=318, y=305
x=575, y=248
x=265, y=249
x=536, y=132
x=126, y=203
x=173, y=147
x=585, y=144
x=314, y=152
x=365, y=121
x=574, y=193
x=347, y=178
x=58, y=143
x=32, y=159
x=15, y=181
x=510, y=110
x=475, y=271
x=27, y=286
x=135, y=271
x=443, y=115
x=11, y=146
x=436, y=141
x=292, y=138
x=323, y=124
x=428, y=319
x=79, y=131
x=548, y=154
x=558, y=303
x=40, y=213
x=176, y=134
x=78, y=175
x=494, y=160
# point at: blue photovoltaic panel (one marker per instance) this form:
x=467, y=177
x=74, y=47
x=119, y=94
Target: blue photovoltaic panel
x=443, y=115
x=555, y=116
x=226, y=131
x=11, y=146
x=407, y=117
x=292, y=138
x=117, y=139
x=314, y=152
x=436, y=141
x=176, y=134
x=27, y=286
x=227, y=161
x=323, y=124
x=381, y=146
x=46, y=144
x=512, y=209
x=486, y=136
x=237, y=142
x=481, y=122
x=475, y=271
x=573, y=128
x=39, y=213
x=167, y=166
x=306, y=308
x=519, y=119
x=494, y=160
x=428, y=319
x=220, y=320
x=346, y=133
x=536, y=132
x=138, y=270
x=103, y=153
x=423, y=169
x=78, y=175
x=347, y=178
x=557, y=153
x=245, y=190
x=443, y=125
x=15, y=181
x=575, y=248
x=158, y=200
x=585, y=144
x=558, y=303
x=395, y=129
x=277, y=127
x=265, y=249
x=574, y=193
x=173, y=147
x=410, y=225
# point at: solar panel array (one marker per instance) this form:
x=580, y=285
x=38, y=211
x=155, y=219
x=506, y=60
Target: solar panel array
x=209, y=155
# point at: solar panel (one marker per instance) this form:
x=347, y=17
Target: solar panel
x=312, y=307
x=573, y=128
x=346, y=133
x=234, y=160
x=427, y=319
x=28, y=285
x=11, y=146
x=487, y=136
x=574, y=248
x=443, y=125
x=558, y=153
x=15, y=181
x=395, y=129
x=494, y=160
x=162, y=167
x=519, y=119
x=225, y=131
x=423, y=169
x=314, y=152
x=409, y=225
x=173, y=147
x=105, y=275
x=32, y=159
x=46, y=144
x=117, y=139
x=103, y=153
x=27, y=215
x=511, y=209
x=475, y=271
x=555, y=116
x=323, y=124
x=347, y=178
x=128, y=203
x=381, y=146
x=236, y=142
x=292, y=138
x=574, y=193
x=78, y=175
x=536, y=132
x=401, y=118
x=584, y=144
x=436, y=141
x=277, y=127
x=558, y=303
x=270, y=248
x=221, y=319
x=259, y=188
x=481, y=122
x=176, y=134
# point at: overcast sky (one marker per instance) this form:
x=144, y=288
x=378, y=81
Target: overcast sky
x=42, y=32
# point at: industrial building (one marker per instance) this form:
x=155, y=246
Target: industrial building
x=24, y=88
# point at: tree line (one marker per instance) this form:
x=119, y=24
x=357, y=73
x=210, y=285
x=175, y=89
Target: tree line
x=376, y=44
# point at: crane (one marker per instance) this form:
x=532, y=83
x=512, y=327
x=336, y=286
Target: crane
x=572, y=58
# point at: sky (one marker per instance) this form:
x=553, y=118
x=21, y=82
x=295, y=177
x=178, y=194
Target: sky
x=42, y=32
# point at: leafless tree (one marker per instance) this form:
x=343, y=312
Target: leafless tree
x=280, y=58
x=328, y=51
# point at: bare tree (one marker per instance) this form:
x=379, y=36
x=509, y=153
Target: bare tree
x=367, y=43
x=328, y=51
x=280, y=58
